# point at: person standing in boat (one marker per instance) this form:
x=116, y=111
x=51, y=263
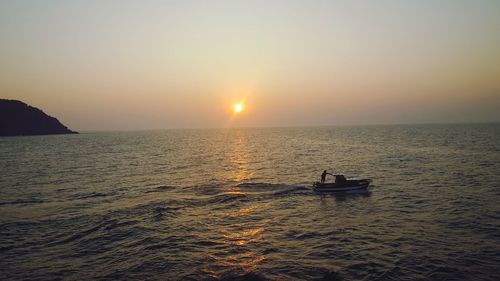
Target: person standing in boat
x=323, y=176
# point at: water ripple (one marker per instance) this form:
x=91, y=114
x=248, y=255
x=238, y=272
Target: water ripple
x=238, y=205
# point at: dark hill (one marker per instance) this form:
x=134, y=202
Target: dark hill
x=18, y=118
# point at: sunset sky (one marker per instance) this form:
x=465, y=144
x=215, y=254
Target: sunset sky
x=120, y=65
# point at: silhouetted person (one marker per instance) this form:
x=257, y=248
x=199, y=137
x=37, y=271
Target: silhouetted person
x=323, y=176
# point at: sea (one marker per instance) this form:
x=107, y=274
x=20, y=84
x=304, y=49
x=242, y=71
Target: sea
x=238, y=204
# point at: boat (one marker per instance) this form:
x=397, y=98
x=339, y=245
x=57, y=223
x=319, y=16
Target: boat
x=342, y=185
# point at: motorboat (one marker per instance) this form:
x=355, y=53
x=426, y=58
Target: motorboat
x=342, y=184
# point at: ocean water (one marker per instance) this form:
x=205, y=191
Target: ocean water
x=237, y=204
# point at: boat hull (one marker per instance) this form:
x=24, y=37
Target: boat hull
x=358, y=185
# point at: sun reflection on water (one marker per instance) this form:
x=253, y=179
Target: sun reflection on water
x=242, y=212
x=240, y=254
x=240, y=237
x=243, y=237
x=238, y=158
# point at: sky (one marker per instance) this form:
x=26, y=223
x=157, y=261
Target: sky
x=127, y=65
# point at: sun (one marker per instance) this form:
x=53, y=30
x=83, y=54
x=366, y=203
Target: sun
x=237, y=108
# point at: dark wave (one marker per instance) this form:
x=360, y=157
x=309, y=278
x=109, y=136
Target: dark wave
x=161, y=188
x=22, y=202
x=228, y=197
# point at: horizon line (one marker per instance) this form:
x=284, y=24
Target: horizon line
x=296, y=126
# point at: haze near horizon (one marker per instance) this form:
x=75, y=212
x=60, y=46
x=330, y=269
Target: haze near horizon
x=180, y=64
